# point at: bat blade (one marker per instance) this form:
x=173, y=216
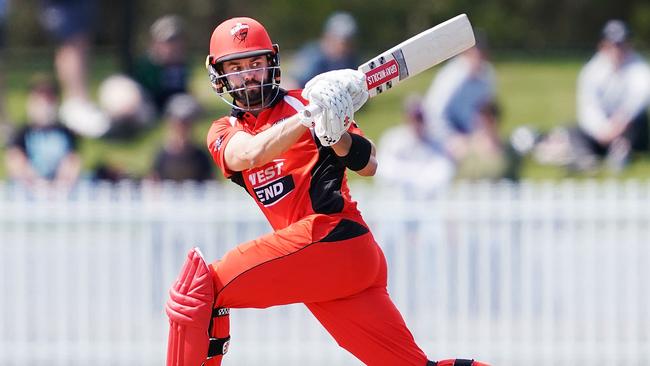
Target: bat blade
x=418, y=53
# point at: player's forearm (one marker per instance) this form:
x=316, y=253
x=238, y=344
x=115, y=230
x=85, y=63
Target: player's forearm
x=342, y=147
x=272, y=142
x=370, y=169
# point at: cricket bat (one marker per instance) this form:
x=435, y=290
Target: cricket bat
x=415, y=55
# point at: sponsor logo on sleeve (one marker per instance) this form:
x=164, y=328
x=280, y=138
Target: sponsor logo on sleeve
x=216, y=146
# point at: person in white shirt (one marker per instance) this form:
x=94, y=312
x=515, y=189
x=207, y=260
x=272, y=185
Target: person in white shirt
x=612, y=99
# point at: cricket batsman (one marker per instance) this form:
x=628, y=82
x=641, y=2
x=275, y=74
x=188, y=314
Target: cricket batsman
x=321, y=252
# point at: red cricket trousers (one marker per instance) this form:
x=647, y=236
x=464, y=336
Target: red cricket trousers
x=334, y=266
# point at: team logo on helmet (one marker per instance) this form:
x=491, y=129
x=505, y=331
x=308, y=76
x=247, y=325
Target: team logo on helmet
x=239, y=31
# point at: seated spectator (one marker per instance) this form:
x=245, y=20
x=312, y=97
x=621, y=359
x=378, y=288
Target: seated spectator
x=612, y=101
x=456, y=97
x=410, y=158
x=126, y=105
x=180, y=159
x=485, y=155
x=334, y=50
x=43, y=151
x=613, y=95
x=163, y=71
x=462, y=114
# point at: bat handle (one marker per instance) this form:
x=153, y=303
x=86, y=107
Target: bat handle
x=312, y=110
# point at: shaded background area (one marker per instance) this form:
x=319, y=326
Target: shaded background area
x=531, y=25
x=538, y=47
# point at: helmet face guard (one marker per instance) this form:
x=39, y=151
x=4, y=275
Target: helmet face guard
x=253, y=95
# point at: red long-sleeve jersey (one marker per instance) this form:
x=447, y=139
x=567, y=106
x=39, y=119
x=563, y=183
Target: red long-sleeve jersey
x=306, y=179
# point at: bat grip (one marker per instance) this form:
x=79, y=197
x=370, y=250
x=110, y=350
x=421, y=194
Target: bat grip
x=311, y=110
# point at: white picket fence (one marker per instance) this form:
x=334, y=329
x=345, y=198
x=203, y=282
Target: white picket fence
x=529, y=274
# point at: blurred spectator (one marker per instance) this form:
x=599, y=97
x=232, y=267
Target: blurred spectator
x=43, y=151
x=410, y=158
x=485, y=155
x=612, y=101
x=126, y=106
x=163, y=71
x=180, y=159
x=336, y=49
x=461, y=112
x=70, y=23
x=457, y=96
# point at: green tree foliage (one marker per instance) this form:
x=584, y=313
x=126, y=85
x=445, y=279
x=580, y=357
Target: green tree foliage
x=529, y=25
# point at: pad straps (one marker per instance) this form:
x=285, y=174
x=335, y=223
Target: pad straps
x=218, y=346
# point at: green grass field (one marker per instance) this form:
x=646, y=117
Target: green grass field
x=539, y=93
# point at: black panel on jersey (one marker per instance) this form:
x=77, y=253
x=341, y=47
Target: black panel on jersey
x=326, y=181
x=238, y=178
x=345, y=229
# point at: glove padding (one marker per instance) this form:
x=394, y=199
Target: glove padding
x=353, y=81
x=337, y=110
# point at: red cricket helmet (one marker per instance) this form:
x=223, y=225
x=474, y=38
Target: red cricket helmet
x=238, y=38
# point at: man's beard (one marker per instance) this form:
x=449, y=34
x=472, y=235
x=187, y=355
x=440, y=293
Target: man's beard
x=251, y=95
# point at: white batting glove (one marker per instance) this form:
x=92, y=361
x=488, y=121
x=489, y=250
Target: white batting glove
x=337, y=111
x=351, y=80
